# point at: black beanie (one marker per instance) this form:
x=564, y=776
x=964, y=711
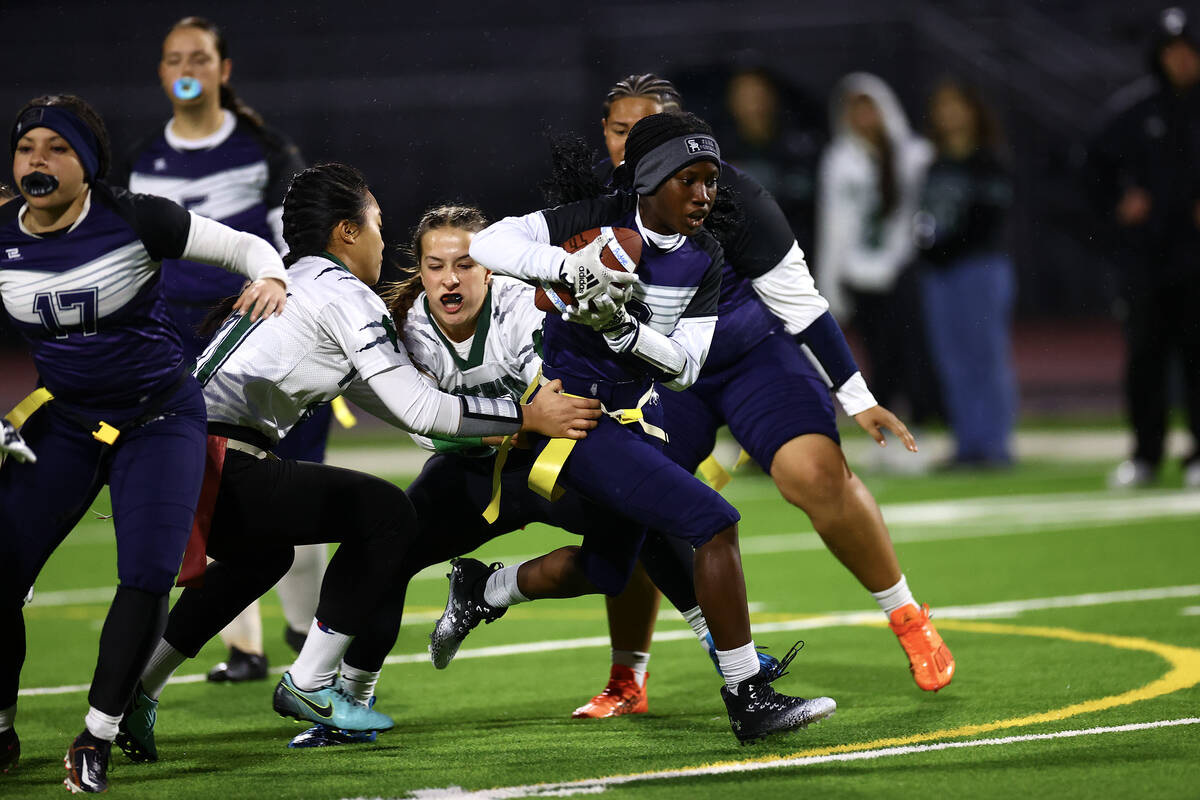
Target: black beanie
x=657, y=129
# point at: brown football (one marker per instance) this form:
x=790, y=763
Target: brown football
x=627, y=240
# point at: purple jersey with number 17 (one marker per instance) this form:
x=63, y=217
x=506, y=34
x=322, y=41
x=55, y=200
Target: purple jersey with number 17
x=88, y=299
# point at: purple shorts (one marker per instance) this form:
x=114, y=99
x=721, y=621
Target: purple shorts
x=767, y=398
x=625, y=470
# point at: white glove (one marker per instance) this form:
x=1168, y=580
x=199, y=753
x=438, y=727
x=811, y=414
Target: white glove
x=13, y=445
x=587, y=277
x=607, y=316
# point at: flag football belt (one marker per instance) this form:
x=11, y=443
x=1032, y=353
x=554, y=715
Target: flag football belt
x=101, y=431
x=543, y=475
x=716, y=475
x=26, y=408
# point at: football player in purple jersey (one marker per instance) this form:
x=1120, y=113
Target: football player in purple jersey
x=80, y=279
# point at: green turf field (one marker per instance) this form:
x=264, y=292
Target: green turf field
x=1074, y=615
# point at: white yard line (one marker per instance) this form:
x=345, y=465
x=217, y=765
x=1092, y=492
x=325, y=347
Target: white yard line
x=910, y=523
x=599, y=785
x=1008, y=608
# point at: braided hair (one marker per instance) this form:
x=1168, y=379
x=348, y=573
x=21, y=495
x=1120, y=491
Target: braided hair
x=400, y=295
x=317, y=199
x=661, y=90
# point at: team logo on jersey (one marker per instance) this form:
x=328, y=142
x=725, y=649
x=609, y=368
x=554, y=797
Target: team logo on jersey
x=13, y=254
x=160, y=164
x=700, y=145
x=389, y=334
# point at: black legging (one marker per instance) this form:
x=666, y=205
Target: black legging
x=264, y=509
x=449, y=495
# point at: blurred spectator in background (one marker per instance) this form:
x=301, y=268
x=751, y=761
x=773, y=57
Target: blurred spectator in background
x=869, y=189
x=1143, y=173
x=967, y=281
x=775, y=134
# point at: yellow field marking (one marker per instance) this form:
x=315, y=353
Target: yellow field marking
x=1184, y=674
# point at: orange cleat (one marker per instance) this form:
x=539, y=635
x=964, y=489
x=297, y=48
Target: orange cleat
x=929, y=659
x=621, y=696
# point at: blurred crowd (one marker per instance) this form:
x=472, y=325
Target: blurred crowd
x=905, y=226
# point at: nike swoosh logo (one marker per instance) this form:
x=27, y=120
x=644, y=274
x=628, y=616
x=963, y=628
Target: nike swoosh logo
x=325, y=711
x=85, y=774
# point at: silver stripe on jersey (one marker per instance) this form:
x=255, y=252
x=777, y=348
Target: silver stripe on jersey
x=666, y=303
x=116, y=277
x=220, y=195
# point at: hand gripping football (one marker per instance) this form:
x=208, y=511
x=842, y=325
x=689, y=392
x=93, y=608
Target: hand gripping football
x=622, y=254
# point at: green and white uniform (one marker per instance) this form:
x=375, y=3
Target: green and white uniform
x=335, y=336
x=498, y=361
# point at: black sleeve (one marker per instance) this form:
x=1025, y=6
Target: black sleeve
x=283, y=162
x=566, y=221
x=161, y=224
x=704, y=302
x=764, y=236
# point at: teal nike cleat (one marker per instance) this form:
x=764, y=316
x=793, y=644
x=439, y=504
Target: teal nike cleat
x=327, y=706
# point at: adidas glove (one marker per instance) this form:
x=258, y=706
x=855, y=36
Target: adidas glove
x=11, y=443
x=587, y=277
x=607, y=316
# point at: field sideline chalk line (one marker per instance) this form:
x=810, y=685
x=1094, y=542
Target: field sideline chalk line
x=1003, y=608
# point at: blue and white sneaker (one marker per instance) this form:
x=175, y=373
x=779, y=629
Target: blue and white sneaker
x=766, y=661
x=328, y=706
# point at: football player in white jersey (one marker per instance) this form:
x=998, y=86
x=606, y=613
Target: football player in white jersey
x=258, y=381
x=476, y=335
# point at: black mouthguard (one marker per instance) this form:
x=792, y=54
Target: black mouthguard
x=38, y=184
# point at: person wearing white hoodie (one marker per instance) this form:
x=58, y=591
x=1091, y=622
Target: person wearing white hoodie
x=870, y=183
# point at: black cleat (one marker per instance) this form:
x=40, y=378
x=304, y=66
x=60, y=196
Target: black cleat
x=465, y=608
x=757, y=710
x=87, y=764
x=10, y=750
x=295, y=639
x=241, y=666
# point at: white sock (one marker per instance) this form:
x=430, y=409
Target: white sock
x=300, y=589
x=317, y=664
x=695, y=618
x=895, y=597
x=159, y=669
x=101, y=725
x=501, y=589
x=738, y=664
x=7, y=716
x=358, y=683
x=245, y=631
x=636, y=660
